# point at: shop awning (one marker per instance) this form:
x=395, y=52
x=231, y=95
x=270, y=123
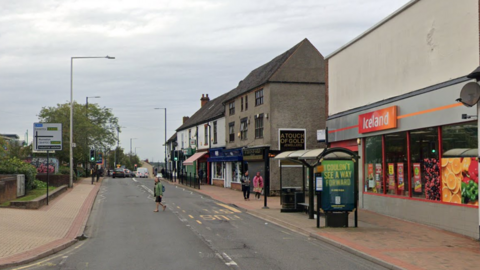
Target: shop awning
x=194, y=158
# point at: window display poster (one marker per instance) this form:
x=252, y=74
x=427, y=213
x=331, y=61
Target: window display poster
x=378, y=177
x=338, y=185
x=401, y=184
x=417, y=178
x=391, y=176
x=371, y=181
x=460, y=180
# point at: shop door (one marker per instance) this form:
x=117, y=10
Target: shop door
x=228, y=174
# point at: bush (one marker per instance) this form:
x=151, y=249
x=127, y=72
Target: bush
x=14, y=165
x=38, y=184
x=64, y=170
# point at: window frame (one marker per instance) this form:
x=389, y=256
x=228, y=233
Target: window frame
x=231, y=132
x=243, y=128
x=231, y=108
x=258, y=128
x=259, y=97
x=215, y=132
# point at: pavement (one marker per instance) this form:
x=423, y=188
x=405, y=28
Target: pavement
x=28, y=235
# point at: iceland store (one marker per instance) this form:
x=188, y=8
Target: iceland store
x=396, y=96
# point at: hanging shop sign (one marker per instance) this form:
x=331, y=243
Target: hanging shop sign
x=391, y=176
x=291, y=140
x=250, y=154
x=338, y=185
x=378, y=120
x=400, y=177
x=417, y=178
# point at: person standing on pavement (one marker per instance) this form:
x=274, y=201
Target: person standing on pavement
x=246, y=186
x=158, y=193
x=257, y=185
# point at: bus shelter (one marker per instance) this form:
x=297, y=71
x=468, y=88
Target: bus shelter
x=336, y=186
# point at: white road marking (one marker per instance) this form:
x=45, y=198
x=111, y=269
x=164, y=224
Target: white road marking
x=134, y=180
x=228, y=261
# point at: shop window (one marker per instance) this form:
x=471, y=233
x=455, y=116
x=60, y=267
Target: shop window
x=396, y=157
x=243, y=129
x=218, y=170
x=259, y=97
x=459, y=171
x=236, y=171
x=424, y=164
x=373, y=164
x=231, y=132
x=459, y=136
x=259, y=126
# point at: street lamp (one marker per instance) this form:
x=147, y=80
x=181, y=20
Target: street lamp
x=116, y=149
x=165, y=144
x=131, y=145
x=71, y=109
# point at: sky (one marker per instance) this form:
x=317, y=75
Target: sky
x=167, y=54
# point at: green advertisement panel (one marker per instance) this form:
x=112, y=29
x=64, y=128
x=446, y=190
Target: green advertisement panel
x=338, y=185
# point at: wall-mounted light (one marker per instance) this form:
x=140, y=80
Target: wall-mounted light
x=359, y=141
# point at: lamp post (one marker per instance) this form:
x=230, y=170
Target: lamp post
x=165, y=143
x=116, y=149
x=71, y=109
x=131, y=145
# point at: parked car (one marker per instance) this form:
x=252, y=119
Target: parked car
x=139, y=174
x=144, y=172
x=127, y=173
x=132, y=174
x=118, y=173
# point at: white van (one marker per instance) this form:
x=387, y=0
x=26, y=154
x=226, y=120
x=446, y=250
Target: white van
x=142, y=172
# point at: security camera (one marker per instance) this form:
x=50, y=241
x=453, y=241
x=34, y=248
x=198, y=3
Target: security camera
x=464, y=116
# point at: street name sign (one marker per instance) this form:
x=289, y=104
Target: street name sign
x=47, y=136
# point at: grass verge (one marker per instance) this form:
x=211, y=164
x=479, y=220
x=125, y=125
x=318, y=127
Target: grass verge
x=31, y=195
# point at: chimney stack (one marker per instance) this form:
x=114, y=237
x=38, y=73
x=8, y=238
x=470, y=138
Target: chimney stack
x=204, y=100
x=185, y=118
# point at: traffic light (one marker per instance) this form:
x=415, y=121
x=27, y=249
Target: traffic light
x=92, y=155
x=175, y=158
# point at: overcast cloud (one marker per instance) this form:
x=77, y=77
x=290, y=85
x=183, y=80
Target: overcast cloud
x=167, y=54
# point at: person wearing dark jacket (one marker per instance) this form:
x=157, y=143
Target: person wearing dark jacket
x=246, y=186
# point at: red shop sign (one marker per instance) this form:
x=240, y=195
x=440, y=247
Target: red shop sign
x=378, y=120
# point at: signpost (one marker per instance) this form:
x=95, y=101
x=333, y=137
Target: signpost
x=47, y=137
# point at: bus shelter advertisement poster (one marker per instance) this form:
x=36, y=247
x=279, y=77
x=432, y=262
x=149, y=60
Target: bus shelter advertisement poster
x=338, y=185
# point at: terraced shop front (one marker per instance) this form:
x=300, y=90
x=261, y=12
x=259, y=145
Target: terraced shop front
x=418, y=157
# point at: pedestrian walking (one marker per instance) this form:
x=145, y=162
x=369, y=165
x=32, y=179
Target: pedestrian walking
x=97, y=172
x=163, y=172
x=246, y=186
x=258, y=185
x=200, y=175
x=92, y=172
x=158, y=193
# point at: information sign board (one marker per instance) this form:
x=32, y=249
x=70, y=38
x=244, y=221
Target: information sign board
x=47, y=136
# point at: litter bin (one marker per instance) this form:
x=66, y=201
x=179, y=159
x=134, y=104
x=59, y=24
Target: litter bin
x=288, y=199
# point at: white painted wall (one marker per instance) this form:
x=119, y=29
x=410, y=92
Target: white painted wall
x=220, y=134
x=430, y=42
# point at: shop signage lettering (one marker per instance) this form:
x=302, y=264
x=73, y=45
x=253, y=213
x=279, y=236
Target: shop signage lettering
x=253, y=154
x=378, y=120
x=338, y=185
x=291, y=140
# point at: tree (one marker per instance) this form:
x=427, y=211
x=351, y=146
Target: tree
x=98, y=130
